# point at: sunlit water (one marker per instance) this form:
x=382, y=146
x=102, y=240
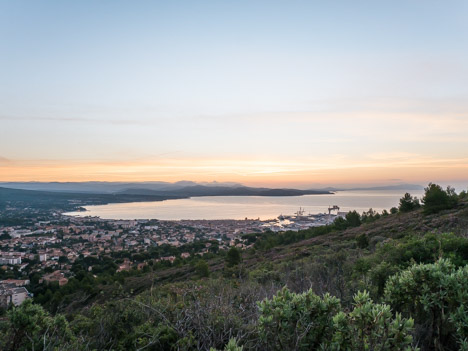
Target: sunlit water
x=240, y=207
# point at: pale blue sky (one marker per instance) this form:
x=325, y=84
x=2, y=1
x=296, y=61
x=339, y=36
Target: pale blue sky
x=223, y=86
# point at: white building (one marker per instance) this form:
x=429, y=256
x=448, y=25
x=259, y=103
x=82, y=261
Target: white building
x=20, y=232
x=10, y=294
x=10, y=260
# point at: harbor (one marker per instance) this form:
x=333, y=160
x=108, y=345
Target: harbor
x=301, y=220
x=240, y=207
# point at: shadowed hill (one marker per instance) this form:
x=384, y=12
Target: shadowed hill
x=68, y=201
x=59, y=200
x=201, y=190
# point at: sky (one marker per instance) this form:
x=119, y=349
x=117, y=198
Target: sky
x=283, y=93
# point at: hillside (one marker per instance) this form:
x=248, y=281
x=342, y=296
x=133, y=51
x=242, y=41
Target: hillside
x=321, y=250
x=202, y=302
x=202, y=190
x=66, y=200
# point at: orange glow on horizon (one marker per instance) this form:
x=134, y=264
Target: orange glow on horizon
x=249, y=172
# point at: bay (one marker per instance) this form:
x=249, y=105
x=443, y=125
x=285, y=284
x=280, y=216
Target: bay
x=241, y=207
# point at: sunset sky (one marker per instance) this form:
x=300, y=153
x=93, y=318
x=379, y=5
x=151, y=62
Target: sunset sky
x=280, y=93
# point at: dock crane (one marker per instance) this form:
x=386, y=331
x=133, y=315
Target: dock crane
x=330, y=209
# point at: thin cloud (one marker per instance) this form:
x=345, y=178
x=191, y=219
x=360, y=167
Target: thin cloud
x=392, y=155
x=79, y=120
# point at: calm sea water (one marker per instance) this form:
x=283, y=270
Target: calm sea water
x=240, y=207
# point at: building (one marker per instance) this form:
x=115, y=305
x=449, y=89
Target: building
x=20, y=232
x=16, y=282
x=56, y=276
x=10, y=260
x=125, y=266
x=11, y=294
x=142, y=265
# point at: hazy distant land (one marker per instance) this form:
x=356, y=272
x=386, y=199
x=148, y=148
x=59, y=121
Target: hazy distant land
x=185, y=188
x=68, y=196
x=74, y=195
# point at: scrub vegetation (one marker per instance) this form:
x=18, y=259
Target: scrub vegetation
x=394, y=280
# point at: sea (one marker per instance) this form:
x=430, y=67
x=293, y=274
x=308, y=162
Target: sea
x=251, y=207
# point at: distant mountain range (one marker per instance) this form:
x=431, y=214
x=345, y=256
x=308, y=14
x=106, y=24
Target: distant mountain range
x=384, y=187
x=58, y=197
x=182, y=188
x=203, y=190
x=61, y=200
x=107, y=187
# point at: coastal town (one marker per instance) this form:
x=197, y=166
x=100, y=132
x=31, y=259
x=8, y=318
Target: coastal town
x=48, y=246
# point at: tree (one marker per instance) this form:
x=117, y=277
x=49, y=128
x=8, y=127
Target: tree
x=202, y=269
x=463, y=195
x=369, y=216
x=408, y=203
x=5, y=236
x=437, y=199
x=340, y=223
x=233, y=257
x=362, y=241
x=353, y=218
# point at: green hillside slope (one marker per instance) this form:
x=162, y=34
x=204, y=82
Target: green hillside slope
x=394, y=282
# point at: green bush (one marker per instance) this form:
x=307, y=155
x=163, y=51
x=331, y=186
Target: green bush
x=436, y=296
x=292, y=321
x=362, y=241
x=202, y=269
x=230, y=346
x=371, y=326
x=305, y=321
x=30, y=327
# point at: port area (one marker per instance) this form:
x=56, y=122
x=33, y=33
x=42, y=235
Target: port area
x=300, y=220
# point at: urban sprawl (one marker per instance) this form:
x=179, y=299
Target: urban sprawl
x=47, y=247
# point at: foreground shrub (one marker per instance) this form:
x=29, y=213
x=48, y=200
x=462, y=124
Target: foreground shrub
x=231, y=346
x=306, y=321
x=292, y=321
x=436, y=296
x=371, y=326
x=30, y=327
